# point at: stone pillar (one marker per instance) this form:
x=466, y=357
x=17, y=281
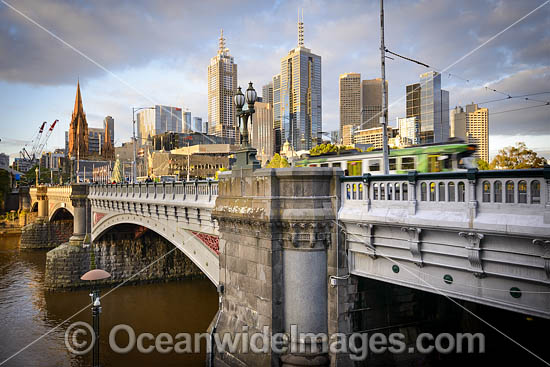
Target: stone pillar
x=276, y=229
x=24, y=198
x=42, y=197
x=79, y=199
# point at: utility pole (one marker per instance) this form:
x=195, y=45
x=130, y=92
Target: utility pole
x=384, y=92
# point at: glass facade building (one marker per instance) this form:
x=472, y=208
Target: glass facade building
x=430, y=105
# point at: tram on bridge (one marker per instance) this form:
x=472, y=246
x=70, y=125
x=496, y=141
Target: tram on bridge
x=424, y=158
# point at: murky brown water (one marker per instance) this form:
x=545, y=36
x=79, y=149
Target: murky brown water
x=30, y=318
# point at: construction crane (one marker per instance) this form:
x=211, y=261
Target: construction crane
x=36, y=141
x=41, y=146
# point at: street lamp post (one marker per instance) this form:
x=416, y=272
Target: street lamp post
x=134, y=165
x=94, y=275
x=246, y=156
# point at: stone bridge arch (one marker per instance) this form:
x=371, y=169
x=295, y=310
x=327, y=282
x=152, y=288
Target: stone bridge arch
x=192, y=244
x=57, y=207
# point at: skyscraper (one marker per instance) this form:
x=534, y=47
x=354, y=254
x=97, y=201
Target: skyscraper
x=267, y=93
x=350, y=102
x=187, y=127
x=78, y=129
x=301, y=116
x=371, y=102
x=222, y=85
x=277, y=112
x=430, y=105
x=262, y=137
x=409, y=131
x=156, y=121
x=472, y=125
x=109, y=123
x=197, y=124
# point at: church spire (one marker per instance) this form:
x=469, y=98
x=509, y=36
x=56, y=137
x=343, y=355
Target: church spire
x=78, y=100
x=301, y=29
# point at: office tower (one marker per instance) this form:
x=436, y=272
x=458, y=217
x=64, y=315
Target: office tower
x=350, y=101
x=277, y=112
x=347, y=134
x=161, y=119
x=205, y=127
x=373, y=136
x=78, y=129
x=458, y=123
x=371, y=103
x=472, y=125
x=222, y=86
x=187, y=127
x=197, y=124
x=301, y=96
x=409, y=131
x=109, y=123
x=430, y=104
x=335, y=137
x=95, y=140
x=262, y=134
x=267, y=93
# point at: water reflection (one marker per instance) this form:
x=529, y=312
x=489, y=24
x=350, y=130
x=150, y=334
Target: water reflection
x=27, y=312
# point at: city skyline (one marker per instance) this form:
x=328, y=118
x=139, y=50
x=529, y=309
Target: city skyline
x=171, y=78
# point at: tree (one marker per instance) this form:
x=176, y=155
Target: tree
x=517, y=157
x=330, y=148
x=482, y=165
x=278, y=162
x=117, y=172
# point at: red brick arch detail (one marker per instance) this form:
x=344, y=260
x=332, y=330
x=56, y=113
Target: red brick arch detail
x=210, y=241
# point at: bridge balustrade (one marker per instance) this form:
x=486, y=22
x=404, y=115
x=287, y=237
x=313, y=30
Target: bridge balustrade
x=189, y=191
x=527, y=189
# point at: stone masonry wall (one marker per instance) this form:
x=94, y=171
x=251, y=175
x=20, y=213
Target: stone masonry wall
x=46, y=234
x=123, y=257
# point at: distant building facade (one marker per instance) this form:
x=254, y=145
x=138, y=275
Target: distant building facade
x=222, y=86
x=267, y=92
x=109, y=125
x=372, y=136
x=171, y=141
x=197, y=124
x=156, y=121
x=409, y=131
x=371, y=103
x=472, y=125
x=350, y=101
x=186, y=122
x=277, y=126
x=262, y=132
x=430, y=105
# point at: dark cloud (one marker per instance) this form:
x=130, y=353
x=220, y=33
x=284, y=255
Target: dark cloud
x=126, y=35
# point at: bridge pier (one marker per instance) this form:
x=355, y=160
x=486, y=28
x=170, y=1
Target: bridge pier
x=278, y=249
x=79, y=198
x=42, y=197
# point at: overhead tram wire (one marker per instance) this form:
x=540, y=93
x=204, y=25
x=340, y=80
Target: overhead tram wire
x=459, y=77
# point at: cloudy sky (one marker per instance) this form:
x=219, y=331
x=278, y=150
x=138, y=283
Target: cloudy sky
x=138, y=53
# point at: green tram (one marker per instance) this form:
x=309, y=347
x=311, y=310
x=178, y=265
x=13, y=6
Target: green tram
x=424, y=158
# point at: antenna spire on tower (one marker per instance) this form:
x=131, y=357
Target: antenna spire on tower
x=222, y=48
x=301, y=29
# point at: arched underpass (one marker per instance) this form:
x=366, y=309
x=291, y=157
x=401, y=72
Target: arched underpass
x=387, y=308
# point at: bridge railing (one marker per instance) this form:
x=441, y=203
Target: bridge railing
x=199, y=191
x=523, y=190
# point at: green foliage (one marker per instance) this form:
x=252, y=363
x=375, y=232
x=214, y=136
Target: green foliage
x=482, y=165
x=330, y=148
x=517, y=157
x=278, y=162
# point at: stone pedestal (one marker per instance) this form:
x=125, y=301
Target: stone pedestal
x=79, y=199
x=276, y=229
x=42, y=197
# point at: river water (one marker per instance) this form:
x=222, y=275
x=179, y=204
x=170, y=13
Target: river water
x=31, y=319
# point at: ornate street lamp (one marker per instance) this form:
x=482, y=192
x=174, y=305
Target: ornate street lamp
x=246, y=156
x=94, y=275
